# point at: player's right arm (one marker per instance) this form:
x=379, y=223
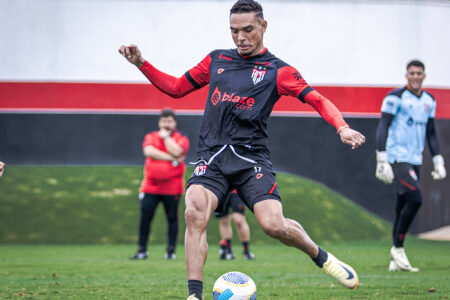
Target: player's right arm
x=388, y=110
x=192, y=80
x=291, y=83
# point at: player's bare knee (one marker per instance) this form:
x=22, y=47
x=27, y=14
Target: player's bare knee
x=274, y=229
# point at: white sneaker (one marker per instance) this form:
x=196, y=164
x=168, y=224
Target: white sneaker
x=393, y=266
x=398, y=256
x=170, y=255
x=340, y=271
x=192, y=297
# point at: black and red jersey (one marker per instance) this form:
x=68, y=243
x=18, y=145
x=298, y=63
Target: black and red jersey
x=242, y=93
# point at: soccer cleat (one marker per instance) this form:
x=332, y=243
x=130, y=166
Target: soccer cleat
x=192, y=297
x=340, y=271
x=398, y=256
x=226, y=254
x=393, y=266
x=248, y=255
x=140, y=255
x=170, y=255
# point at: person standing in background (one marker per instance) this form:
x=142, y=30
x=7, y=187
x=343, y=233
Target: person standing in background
x=165, y=151
x=407, y=118
x=226, y=233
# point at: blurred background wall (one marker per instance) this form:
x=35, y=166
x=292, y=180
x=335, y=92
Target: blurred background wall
x=68, y=97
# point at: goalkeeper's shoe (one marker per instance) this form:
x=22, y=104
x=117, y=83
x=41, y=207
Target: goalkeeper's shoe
x=192, y=297
x=398, y=256
x=140, y=255
x=248, y=255
x=340, y=271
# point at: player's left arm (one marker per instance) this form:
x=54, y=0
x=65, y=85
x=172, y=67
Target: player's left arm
x=439, y=172
x=290, y=82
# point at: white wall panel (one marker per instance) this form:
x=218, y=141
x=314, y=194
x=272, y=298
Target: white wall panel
x=331, y=42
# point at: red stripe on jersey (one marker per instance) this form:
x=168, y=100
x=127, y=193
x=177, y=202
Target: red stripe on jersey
x=409, y=186
x=273, y=188
x=221, y=56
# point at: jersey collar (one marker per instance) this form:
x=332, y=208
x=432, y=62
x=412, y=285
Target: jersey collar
x=264, y=51
x=421, y=92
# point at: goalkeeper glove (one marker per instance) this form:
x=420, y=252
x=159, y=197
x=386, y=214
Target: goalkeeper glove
x=384, y=169
x=439, y=172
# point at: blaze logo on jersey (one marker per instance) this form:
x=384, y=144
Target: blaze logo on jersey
x=241, y=102
x=258, y=74
x=200, y=170
x=215, y=98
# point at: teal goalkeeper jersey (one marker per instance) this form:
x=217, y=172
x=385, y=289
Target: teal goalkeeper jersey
x=406, y=136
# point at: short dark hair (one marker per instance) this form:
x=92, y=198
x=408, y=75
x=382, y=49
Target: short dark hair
x=247, y=6
x=167, y=112
x=415, y=63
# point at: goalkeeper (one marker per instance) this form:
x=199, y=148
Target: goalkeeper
x=407, y=118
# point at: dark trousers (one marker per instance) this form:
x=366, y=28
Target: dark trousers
x=409, y=199
x=149, y=203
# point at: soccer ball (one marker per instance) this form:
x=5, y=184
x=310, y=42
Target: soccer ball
x=234, y=286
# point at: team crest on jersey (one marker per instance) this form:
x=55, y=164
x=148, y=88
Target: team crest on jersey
x=413, y=174
x=200, y=170
x=258, y=74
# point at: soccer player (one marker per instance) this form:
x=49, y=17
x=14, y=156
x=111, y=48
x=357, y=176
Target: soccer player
x=244, y=84
x=165, y=151
x=407, y=117
x=2, y=168
x=226, y=233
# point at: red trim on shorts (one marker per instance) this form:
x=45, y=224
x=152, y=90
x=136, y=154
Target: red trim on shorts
x=411, y=187
x=273, y=188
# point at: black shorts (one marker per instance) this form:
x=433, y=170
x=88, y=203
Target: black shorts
x=236, y=205
x=247, y=170
x=406, y=177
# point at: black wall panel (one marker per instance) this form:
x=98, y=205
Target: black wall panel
x=306, y=146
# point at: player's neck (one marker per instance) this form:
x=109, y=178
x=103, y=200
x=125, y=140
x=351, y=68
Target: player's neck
x=260, y=51
x=417, y=92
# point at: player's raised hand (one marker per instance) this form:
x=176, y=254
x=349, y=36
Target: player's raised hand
x=351, y=137
x=132, y=54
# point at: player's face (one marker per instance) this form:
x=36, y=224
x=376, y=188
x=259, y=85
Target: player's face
x=167, y=123
x=247, y=31
x=415, y=76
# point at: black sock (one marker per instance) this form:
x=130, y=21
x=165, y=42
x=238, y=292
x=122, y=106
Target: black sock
x=142, y=249
x=195, y=288
x=321, y=258
x=171, y=249
x=228, y=243
x=245, y=245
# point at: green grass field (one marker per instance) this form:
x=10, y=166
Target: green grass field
x=66, y=232
x=99, y=204
x=104, y=272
